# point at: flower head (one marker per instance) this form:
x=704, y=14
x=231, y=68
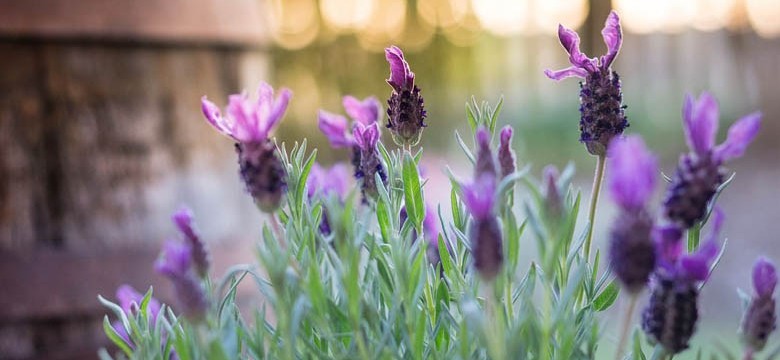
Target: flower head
x=484, y=232
x=368, y=163
x=632, y=172
x=581, y=64
x=506, y=156
x=764, y=277
x=130, y=302
x=366, y=136
x=335, y=129
x=200, y=256
x=175, y=259
x=760, y=317
x=692, y=267
x=175, y=263
x=333, y=180
x=479, y=196
x=700, y=124
x=366, y=111
x=485, y=164
x=248, y=120
x=405, y=108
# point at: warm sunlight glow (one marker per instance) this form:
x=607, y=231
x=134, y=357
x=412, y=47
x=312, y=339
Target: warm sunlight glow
x=294, y=23
x=504, y=17
x=347, y=14
x=443, y=13
x=764, y=16
x=643, y=16
x=550, y=13
x=385, y=25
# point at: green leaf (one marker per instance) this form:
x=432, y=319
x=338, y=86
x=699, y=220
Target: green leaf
x=415, y=208
x=607, y=297
x=637, y=353
x=464, y=147
x=115, y=338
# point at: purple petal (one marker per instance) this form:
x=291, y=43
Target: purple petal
x=483, y=137
x=479, y=196
x=764, y=277
x=214, y=116
x=431, y=225
x=632, y=172
x=314, y=181
x=327, y=181
x=696, y=266
x=401, y=76
x=278, y=109
x=571, y=42
x=669, y=245
x=335, y=129
x=366, y=137
x=129, y=298
x=269, y=110
x=741, y=134
x=175, y=259
x=366, y=111
x=242, y=113
x=700, y=120
x=183, y=221
x=613, y=37
x=568, y=72
x=505, y=137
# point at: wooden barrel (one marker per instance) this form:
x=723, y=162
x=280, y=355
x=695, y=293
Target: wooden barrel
x=101, y=138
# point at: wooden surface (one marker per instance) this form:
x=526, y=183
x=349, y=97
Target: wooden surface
x=236, y=22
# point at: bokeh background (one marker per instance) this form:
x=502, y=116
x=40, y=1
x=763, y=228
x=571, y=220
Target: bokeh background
x=101, y=136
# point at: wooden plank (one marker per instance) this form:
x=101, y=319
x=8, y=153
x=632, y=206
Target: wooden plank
x=237, y=22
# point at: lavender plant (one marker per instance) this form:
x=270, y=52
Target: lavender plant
x=366, y=266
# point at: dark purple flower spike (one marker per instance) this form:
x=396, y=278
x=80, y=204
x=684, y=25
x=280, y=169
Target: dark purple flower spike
x=672, y=313
x=485, y=163
x=602, y=111
x=406, y=113
x=700, y=172
x=366, y=139
x=249, y=123
x=760, y=318
x=506, y=156
x=631, y=180
x=200, y=256
x=484, y=233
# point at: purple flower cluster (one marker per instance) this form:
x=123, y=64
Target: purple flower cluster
x=405, y=111
x=333, y=181
x=485, y=162
x=760, y=318
x=601, y=99
x=700, y=172
x=484, y=233
x=130, y=302
x=631, y=180
x=249, y=122
x=507, y=160
x=183, y=263
x=361, y=138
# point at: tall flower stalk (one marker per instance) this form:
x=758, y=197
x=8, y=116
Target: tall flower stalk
x=602, y=113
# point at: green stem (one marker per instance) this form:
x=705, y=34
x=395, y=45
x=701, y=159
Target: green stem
x=694, y=234
x=594, y=199
x=624, y=330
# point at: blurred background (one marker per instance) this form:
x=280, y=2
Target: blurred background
x=101, y=136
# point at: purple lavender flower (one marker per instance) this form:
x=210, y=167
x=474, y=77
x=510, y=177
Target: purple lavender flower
x=484, y=232
x=553, y=201
x=130, y=302
x=602, y=111
x=328, y=182
x=366, y=111
x=175, y=263
x=485, y=163
x=506, y=156
x=700, y=172
x=366, y=139
x=672, y=313
x=631, y=181
x=760, y=318
x=334, y=127
x=249, y=123
x=405, y=110
x=200, y=256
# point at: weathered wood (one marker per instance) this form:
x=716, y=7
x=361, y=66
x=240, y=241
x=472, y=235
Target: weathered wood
x=234, y=22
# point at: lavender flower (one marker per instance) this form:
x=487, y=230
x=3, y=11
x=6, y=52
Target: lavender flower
x=366, y=139
x=431, y=232
x=175, y=263
x=200, y=256
x=631, y=182
x=506, y=156
x=405, y=110
x=249, y=124
x=130, y=302
x=700, y=172
x=485, y=163
x=336, y=127
x=602, y=110
x=484, y=233
x=760, y=318
x=553, y=201
x=672, y=313
x=327, y=182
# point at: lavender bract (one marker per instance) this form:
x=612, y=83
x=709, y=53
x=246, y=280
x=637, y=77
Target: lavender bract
x=405, y=111
x=672, y=313
x=130, y=302
x=484, y=233
x=249, y=124
x=601, y=99
x=700, y=172
x=175, y=263
x=760, y=318
x=200, y=256
x=631, y=182
x=366, y=139
x=333, y=181
x=506, y=156
x=485, y=162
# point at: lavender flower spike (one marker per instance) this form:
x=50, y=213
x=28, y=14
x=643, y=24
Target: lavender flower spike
x=366, y=139
x=485, y=164
x=200, y=256
x=335, y=128
x=249, y=123
x=602, y=111
x=130, y=302
x=175, y=263
x=327, y=182
x=631, y=182
x=366, y=111
x=760, y=318
x=484, y=233
x=700, y=172
x=406, y=113
x=506, y=156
